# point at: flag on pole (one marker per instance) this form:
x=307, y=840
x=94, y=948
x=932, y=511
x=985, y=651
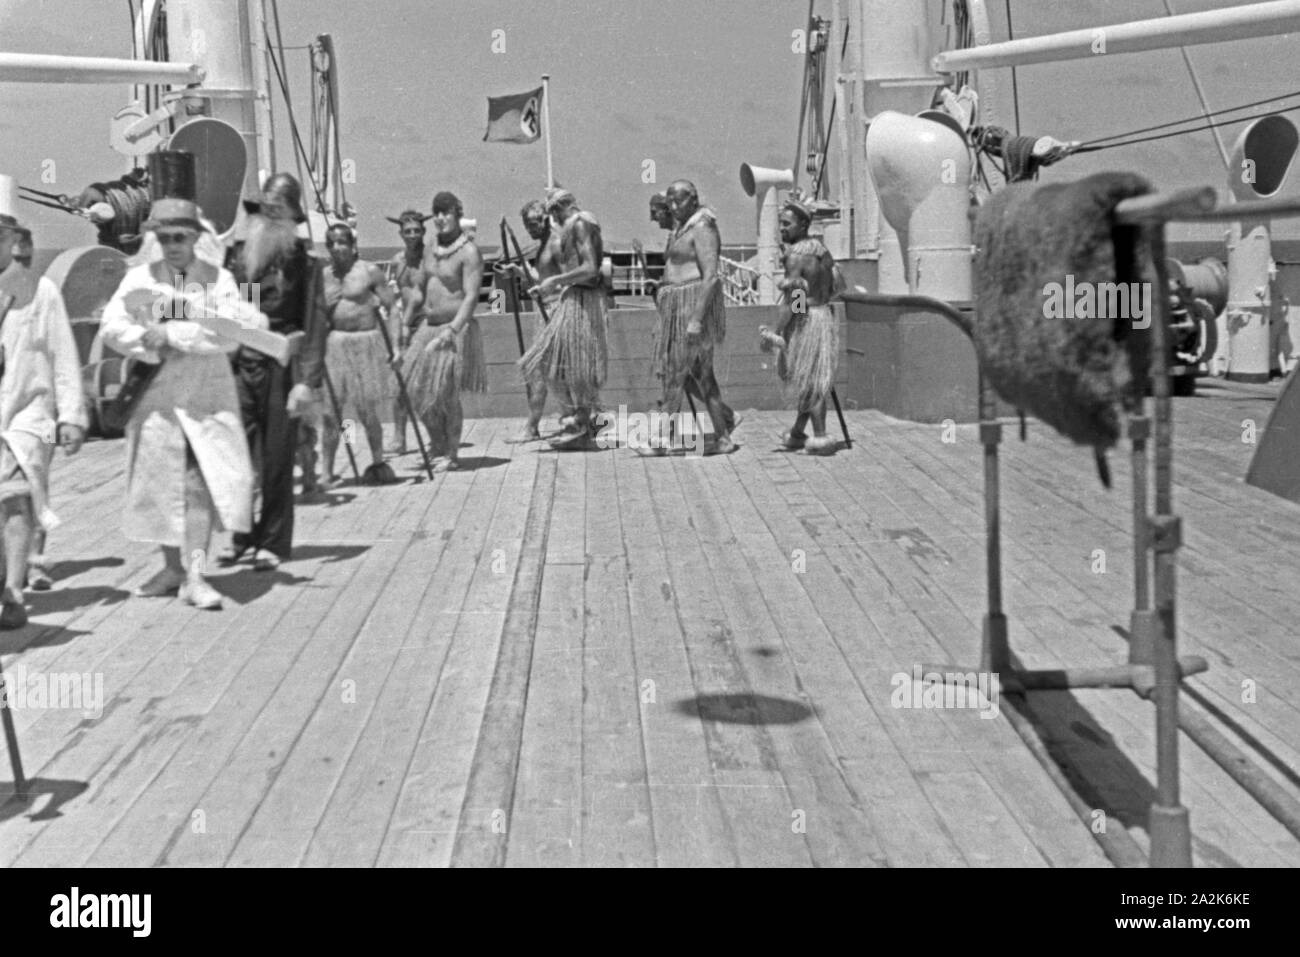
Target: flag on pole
x=515, y=119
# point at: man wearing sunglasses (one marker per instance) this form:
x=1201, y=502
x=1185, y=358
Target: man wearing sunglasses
x=41, y=405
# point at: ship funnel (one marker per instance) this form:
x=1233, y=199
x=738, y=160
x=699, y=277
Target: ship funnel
x=763, y=183
x=1249, y=333
x=921, y=169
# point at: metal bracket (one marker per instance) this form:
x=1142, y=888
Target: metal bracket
x=1166, y=533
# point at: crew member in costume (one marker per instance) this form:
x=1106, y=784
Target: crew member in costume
x=41, y=404
x=355, y=356
x=572, y=352
x=807, y=337
x=188, y=468
x=407, y=269
x=547, y=264
x=445, y=356
x=289, y=282
x=692, y=315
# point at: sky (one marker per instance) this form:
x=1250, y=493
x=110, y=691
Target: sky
x=692, y=88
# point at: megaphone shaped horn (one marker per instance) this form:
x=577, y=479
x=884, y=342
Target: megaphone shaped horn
x=756, y=180
x=763, y=183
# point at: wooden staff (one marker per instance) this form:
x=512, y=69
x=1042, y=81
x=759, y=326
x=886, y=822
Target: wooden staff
x=519, y=255
x=11, y=740
x=835, y=397
x=516, y=288
x=406, y=396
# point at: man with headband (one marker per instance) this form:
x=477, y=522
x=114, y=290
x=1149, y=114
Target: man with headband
x=355, y=356
x=407, y=269
x=446, y=356
x=807, y=339
x=692, y=316
x=572, y=351
x=547, y=264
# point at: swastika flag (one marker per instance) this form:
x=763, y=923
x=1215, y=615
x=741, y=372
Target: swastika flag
x=515, y=119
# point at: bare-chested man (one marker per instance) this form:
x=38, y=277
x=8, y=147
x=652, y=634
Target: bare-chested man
x=547, y=264
x=355, y=356
x=807, y=338
x=407, y=270
x=572, y=351
x=445, y=356
x=692, y=315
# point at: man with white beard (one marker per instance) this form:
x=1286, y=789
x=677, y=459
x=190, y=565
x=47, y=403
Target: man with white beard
x=288, y=281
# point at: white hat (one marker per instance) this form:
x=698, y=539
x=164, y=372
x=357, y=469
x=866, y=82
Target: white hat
x=9, y=202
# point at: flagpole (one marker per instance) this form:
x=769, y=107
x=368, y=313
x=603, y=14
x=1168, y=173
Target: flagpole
x=546, y=120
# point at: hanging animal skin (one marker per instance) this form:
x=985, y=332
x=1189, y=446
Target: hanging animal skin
x=1063, y=311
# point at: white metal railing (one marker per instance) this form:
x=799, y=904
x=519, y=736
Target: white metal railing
x=739, y=282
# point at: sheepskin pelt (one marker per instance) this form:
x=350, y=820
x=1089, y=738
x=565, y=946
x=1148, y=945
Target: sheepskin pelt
x=1048, y=332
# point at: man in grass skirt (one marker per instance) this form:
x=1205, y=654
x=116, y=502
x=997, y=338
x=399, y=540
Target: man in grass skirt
x=446, y=356
x=572, y=351
x=807, y=338
x=692, y=317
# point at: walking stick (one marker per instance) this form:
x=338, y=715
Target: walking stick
x=11, y=740
x=848, y=442
x=519, y=255
x=515, y=287
x=338, y=417
x=406, y=397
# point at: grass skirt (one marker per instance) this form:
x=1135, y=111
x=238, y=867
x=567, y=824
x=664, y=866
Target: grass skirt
x=358, y=368
x=677, y=303
x=572, y=349
x=808, y=363
x=433, y=375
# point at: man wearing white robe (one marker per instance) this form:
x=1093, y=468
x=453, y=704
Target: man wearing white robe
x=41, y=405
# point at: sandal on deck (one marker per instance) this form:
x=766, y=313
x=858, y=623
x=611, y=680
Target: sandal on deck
x=201, y=595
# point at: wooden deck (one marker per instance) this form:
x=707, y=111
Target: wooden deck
x=601, y=659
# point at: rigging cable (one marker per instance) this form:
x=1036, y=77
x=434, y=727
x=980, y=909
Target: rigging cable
x=1191, y=119
x=1093, y=148
x=293, y=126
x=284, y=86
x=830, y=124
x=1200, y=94
x=1015, y=87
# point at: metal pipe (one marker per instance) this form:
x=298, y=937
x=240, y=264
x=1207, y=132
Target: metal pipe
x=50, y=68
x=1188, y=29
x=1274, y=799
x=1171, y=842
x=915, y=301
